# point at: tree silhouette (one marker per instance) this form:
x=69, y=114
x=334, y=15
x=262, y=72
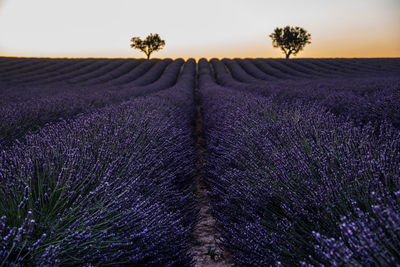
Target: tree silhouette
x=153, y=42
x=291, y=40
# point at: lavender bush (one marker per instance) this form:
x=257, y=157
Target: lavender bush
x=18, y=118
x=97, y=158
x=292, y=183
x=361, y=99
x=109, y=187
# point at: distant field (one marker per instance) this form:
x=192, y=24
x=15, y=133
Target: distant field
x=301, y=160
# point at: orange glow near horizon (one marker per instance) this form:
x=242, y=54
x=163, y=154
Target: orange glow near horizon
x=192, y=29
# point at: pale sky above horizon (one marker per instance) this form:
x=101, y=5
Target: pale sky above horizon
x=207, y=28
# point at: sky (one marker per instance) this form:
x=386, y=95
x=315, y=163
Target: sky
x=193, y=28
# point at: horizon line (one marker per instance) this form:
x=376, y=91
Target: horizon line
x=195, y=58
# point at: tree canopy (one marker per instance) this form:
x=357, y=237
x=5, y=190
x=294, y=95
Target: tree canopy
x=152, y=43
x=290, y=40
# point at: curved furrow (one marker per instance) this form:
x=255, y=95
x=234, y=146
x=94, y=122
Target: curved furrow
x=52, y=67
x=309, y=70
x=254, y=71
x=106, y=67
x=24, y=65
x=348, y=66
x=261, y=64
x=80, y=67
x=152, y=74
x=322, y=66
x=137, y=72
x=16, y=119
x=223, y=76
x=48, y=85
x=238, y=72
x=281, y=65
x=117, y=73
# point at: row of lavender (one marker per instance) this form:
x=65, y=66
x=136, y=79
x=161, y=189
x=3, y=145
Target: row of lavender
x=254, y=70
x=22, y=72
x=292, y=183
x=279, y=110
x=70, y=71
x=111, y=186
x=367, y=94
x=27, y=108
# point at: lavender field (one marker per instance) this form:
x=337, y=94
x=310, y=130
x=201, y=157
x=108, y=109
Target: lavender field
x=102, y=161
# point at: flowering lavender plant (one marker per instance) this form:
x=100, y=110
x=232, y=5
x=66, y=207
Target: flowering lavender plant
x=293, y=183
x=111, y=186
x=97, y=156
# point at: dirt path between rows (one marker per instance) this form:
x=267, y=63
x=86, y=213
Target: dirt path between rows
x=204, y=246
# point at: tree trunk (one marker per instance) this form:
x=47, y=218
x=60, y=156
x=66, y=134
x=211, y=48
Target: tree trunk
x=288, y=55
x=148, y=56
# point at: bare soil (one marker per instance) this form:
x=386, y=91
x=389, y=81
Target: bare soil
x=204, y=246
